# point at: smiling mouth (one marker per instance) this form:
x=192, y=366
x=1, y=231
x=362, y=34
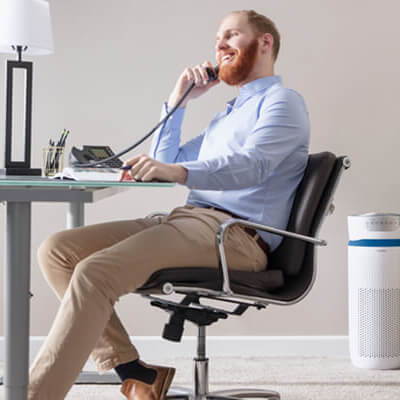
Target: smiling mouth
x=227, y=58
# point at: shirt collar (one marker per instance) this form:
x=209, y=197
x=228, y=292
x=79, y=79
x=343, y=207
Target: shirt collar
x=249, y=89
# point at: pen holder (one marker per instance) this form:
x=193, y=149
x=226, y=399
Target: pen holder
x=53, y=160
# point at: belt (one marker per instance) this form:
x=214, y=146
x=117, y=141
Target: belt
x=252, y=232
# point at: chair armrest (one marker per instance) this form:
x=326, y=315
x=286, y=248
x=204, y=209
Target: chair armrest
x=266, y=228
x=225, y=287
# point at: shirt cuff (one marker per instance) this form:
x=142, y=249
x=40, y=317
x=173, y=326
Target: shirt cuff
x=196, y=174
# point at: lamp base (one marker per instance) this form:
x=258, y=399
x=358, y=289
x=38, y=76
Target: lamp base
x=21, y=171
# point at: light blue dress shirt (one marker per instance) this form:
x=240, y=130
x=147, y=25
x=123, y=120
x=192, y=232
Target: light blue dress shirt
x=251, y=157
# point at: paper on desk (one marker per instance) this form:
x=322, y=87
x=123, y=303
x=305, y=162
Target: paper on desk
x=89, y=174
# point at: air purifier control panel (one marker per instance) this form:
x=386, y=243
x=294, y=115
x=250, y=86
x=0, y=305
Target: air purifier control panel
x=382, y=222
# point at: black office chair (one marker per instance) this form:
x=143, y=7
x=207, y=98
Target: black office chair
x=287, y=280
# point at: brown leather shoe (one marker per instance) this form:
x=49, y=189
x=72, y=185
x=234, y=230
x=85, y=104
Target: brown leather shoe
x=134, y=389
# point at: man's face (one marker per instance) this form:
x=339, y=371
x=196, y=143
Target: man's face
x=236, y=49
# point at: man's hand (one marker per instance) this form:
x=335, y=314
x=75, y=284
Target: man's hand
x=196, y=74
x=146, y=169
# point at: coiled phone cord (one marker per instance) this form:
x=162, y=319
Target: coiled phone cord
x=213, y=75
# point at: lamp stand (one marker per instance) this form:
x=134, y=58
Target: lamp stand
x=19, y=167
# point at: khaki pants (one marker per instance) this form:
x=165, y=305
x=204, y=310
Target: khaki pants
x=90, y=268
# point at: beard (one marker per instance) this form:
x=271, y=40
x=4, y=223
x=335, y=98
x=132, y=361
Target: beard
x=232, y=73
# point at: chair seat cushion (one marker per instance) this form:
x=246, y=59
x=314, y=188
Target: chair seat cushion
x=242, y=282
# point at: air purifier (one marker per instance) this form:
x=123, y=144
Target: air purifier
x=374, y=290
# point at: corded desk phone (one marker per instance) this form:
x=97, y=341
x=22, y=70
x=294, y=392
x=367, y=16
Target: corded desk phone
x=94, y=153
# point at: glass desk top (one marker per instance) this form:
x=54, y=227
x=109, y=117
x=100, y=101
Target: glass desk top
x=38, y=181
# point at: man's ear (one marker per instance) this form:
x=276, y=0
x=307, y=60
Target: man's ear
x=266, y=41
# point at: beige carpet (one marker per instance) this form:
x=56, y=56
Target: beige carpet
x=295, y=378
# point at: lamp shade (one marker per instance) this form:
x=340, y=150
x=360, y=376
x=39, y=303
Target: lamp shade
x=25, y=23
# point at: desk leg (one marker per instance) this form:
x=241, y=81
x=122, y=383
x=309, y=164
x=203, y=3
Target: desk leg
x=76, y=214
x=16, y=300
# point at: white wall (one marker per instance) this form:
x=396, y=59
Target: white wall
x=116, y=62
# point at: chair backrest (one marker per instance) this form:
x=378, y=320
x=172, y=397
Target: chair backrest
x=309, y=207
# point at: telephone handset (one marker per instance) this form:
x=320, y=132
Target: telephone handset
x=90, y=154
x=212, y=73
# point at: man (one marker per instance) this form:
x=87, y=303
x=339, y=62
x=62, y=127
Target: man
x=248, y=162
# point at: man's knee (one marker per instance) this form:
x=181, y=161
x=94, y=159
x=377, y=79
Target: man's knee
x=94, y=277
x=52, y=252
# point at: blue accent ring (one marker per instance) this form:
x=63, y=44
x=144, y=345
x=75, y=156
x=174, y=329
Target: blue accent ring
x=375, y=243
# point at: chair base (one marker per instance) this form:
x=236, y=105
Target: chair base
x=232, y=394
x=201, y=378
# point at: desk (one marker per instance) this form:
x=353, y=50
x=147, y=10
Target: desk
x=19, y=193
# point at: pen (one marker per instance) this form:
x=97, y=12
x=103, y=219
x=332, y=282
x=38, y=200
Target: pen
x=126, y=167
x=48, y=156
x=61, y=138
x=51, y=154
x=56, y=151
x=59, y=148
x=64, y=139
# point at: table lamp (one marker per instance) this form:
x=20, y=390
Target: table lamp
x=25, y=27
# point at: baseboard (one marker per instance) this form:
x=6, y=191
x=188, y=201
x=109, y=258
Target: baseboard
x=154, y=347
